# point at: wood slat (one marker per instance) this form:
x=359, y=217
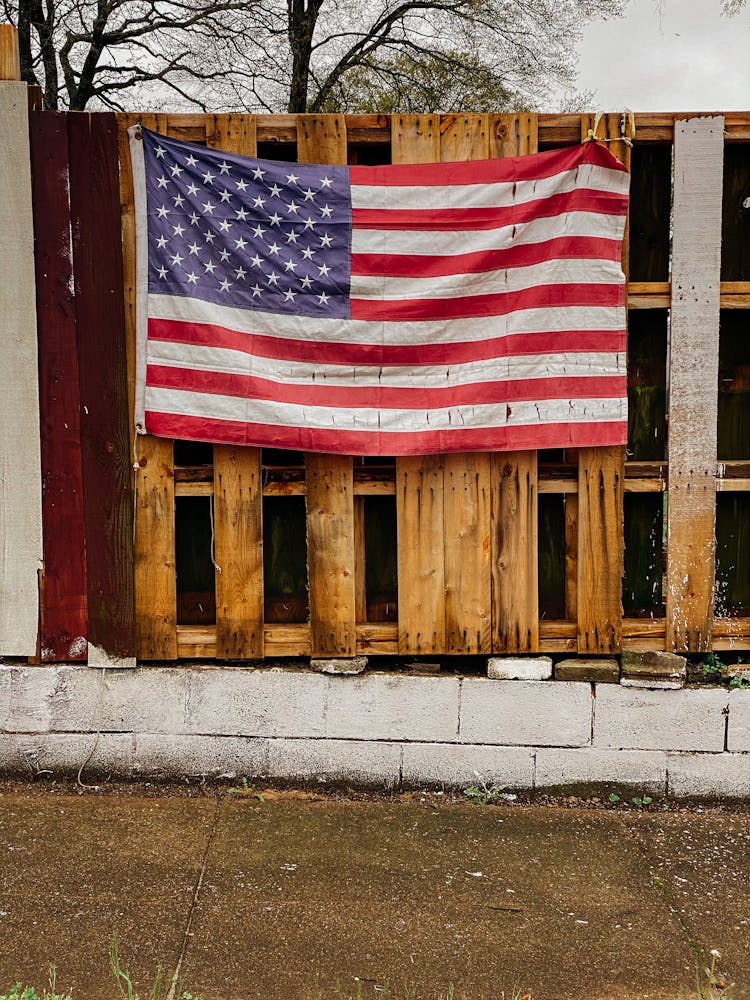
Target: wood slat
x=601, y=476
x=238, y=494
x=330, y=554
x=419, y=480
x=105, y=418
x=154, y=546
x=515, y=583
x=466, y=477
x=693, y=379
x=514, y=529
x=20, y=489
x=329, y=478
x=421, y=559
x=63, y=611
x=238, y=545
x=466, y=520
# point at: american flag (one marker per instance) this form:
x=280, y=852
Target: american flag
x=381, y=310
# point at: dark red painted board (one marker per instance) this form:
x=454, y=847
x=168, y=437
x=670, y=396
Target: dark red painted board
x=102, y=372
x=63, y=588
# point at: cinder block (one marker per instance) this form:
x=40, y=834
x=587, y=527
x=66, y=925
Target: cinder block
x=725, y=775
x=519, y=668
x=600, y=671
x=628, y=718
x=738, y=730
x=525, y=713
x=645, y=770
x=148, y=699
x=460, y=765
x=65, y=753
x=355, y=761
x=178, y=756
x=381, y=706
x=31, y=694
x=344, y=665
x=245, y=702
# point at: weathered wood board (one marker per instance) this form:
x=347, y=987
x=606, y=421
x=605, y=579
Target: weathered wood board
x=21, y=479
x=63, y=615
x=693, y=382
x=105, y=420
x=329, y=478
x=238, y=497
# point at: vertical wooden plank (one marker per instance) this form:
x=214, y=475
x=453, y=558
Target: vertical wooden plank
x=63, y=612
x=693, y=376
x=102, y=369
x=419, y=480
x=464, y=137
x=330, y=486
x=514, y=528
x=515, y=134
x=238, y=493
x=20, y=464
x=601, y=476
x=571, y=557
x=466, y=499
x=515, y=582
x=10, y=58
x=330, y=554
x=466, y=519
x=154, y=548
x=421, y=559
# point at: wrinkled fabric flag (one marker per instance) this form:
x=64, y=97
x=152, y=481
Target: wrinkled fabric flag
x=387, y=310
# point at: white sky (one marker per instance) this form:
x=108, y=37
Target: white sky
x=689, y=59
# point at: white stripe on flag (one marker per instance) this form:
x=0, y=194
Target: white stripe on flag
x=216, y=359
x=258, y=411
x=504, y=193
x=511, y=279
x=182, y=308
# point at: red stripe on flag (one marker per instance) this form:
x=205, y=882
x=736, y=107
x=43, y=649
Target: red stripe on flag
x=538, y=296
x=523, y=255
x=332, y=352
x=408, y=397
x=526, y=168
x=472, y=219
x=339, y=442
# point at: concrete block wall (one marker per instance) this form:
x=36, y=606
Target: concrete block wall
x=381, y=729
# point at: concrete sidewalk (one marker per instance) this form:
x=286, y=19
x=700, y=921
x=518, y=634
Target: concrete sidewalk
x=261, y=899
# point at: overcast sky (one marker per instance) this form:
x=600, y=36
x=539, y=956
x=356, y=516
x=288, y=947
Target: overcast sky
x=689, y=59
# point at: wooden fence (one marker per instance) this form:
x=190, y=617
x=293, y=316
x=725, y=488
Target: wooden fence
x=240, y=554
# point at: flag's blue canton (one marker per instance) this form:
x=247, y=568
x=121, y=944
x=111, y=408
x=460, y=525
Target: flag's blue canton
x=255, y=234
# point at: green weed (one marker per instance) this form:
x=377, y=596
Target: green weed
x=483, y=793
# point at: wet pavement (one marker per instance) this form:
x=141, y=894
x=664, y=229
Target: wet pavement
x=283, y=897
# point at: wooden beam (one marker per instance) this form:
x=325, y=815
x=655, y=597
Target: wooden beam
x=514, y=527
x=419, y=479
x=601, y=476
x=329, y=478
x=238, y=494
x=64, y=615
x=107, y=458
x=10, y=59
x=154, y=545
x=693, y=382
x=20, y=494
